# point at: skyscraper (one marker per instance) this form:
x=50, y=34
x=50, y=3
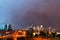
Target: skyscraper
x=41, y=27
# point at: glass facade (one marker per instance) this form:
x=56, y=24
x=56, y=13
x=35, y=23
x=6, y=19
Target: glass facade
x=4, y=27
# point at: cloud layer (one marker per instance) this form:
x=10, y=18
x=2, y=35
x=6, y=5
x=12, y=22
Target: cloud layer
x=27, y=12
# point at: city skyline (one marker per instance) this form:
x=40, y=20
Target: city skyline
x=20, y=13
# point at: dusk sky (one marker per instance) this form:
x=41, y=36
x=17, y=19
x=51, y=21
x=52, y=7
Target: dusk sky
x=26, y=12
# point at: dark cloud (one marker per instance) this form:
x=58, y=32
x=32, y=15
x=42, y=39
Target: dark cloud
x=27, y=12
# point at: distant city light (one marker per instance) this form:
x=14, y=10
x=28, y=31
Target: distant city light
x=58, y=32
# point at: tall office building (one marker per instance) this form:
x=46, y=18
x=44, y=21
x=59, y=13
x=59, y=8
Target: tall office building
x=53, y=30
x=50, y=29
x=38, y=28
x=34, y=28
x=7, y=27
x=41, y=27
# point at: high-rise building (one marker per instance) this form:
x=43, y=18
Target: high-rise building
x=50, y=29
x=34, y=28
x=41, y=27
x=53, y=30
x=9, y=26
x=38, y=28
x=6, y=27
